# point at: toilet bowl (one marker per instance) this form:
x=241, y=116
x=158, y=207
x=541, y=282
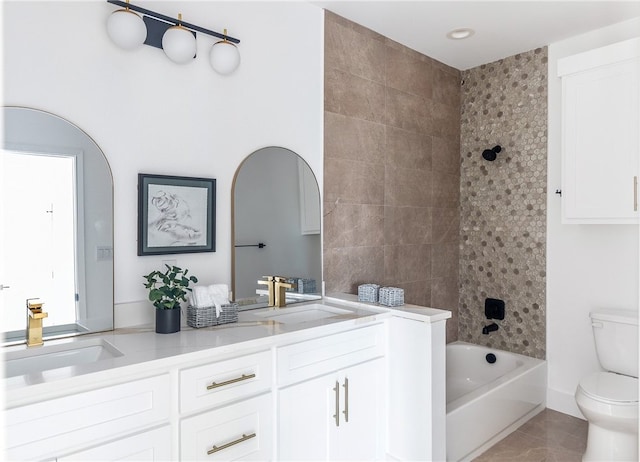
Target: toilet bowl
x=609, y=402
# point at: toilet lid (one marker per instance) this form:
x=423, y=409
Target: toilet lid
x=607, y=386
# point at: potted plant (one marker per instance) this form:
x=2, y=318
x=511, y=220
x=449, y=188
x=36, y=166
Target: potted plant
x=166, y=290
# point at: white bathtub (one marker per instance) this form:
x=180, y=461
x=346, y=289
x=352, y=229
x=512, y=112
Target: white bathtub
x=486, y=402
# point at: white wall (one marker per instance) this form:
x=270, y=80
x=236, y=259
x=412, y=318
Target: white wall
x=588, y=266
x=152, y=116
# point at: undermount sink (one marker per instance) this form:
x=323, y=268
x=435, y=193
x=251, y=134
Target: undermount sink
x=303, y=313
x=47, y=357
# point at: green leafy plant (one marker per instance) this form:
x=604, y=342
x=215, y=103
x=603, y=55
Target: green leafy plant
x=167, y=289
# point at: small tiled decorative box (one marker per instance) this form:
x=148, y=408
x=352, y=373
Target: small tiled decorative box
x=206, y=316
x=391, y=296
x=302, y=286
x=368, y=293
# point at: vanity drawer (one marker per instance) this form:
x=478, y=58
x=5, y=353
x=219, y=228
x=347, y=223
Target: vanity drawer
x=218, y=383
x=149, y=446
x=241, y=431
x=305, y=360
x=49, y=428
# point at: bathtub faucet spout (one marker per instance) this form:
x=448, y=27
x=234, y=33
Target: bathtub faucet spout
x=490, y=328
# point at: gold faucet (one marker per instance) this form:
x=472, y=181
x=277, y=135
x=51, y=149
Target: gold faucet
x=280, y=287
x=34, y=321
x=277, y=287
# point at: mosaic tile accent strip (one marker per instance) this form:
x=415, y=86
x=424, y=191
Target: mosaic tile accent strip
x=503, y=203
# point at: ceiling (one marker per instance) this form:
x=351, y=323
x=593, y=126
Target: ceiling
x=502, y=28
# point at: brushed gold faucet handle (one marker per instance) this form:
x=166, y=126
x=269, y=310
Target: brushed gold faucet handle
x=35, y=309
x=38, y=314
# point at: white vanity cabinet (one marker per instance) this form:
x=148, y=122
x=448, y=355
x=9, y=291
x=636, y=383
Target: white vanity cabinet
x=333, y=417
x=100, y=422
x=601, y=134
x=331, y=398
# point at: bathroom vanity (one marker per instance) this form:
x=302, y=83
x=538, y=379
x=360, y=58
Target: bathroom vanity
x=331, y=380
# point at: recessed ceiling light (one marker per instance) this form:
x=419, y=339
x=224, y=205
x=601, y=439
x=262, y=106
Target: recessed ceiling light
x=459, y=34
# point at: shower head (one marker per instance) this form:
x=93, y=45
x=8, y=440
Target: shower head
x=491, y=154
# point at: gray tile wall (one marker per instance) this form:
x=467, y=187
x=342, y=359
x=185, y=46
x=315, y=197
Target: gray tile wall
x=503, y=203
x=392, y=168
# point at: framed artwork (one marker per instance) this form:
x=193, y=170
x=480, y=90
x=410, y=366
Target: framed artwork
x=176, y=214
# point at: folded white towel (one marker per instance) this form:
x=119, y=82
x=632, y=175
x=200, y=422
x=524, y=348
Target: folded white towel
x=219, y=294
x=201, y=297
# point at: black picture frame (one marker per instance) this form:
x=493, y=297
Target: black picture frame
x=176, y=214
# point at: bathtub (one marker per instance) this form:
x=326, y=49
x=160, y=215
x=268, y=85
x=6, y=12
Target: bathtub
x=486, y=402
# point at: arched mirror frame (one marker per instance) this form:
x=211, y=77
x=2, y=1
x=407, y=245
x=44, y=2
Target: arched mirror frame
x=97, y=314
x=250, y=303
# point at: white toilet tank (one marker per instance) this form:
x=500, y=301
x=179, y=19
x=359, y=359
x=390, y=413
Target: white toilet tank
x=616, y=337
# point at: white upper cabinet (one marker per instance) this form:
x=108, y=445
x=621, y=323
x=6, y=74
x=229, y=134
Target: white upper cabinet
x=601, y=134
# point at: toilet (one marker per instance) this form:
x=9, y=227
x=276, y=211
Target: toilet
x=609, y=400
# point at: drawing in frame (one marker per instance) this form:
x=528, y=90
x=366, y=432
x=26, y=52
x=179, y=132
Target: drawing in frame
x=176, y=214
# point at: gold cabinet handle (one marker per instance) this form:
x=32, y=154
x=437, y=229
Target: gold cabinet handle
x=337, y=414
x=635, y=193
x=346, y=399
x=229, y=382
x=244, y=438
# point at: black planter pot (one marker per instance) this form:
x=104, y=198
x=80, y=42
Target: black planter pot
x=167, y=321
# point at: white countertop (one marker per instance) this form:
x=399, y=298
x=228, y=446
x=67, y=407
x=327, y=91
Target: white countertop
x=144, y=351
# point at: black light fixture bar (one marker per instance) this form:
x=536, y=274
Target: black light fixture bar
x=169, y=19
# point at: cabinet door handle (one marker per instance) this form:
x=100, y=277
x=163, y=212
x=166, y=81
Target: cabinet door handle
x=229, y=382
x=337, y=414
x=215, y=449
x=635, y=193
x=346, y=399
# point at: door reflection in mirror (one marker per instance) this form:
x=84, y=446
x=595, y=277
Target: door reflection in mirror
x=276, y=202
x=38, y=247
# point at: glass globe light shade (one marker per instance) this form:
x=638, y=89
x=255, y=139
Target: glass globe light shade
x=179, y=44
x=224, y=57
x=126, y=29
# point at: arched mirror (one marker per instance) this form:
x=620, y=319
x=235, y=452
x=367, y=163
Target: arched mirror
x=276, y=227
x=56, y=226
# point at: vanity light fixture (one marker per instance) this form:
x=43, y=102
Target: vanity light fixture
x=460, y=34
x=179, y=43
x=126, y=29
x=176, y=37
x=224, y=56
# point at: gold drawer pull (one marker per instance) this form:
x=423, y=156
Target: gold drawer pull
x=215, y=449
x=229, y=382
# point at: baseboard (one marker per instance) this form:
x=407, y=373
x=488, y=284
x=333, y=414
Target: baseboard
x=564, y=402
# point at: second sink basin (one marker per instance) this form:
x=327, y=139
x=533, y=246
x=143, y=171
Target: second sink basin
x=303, y=313
x=38, y=359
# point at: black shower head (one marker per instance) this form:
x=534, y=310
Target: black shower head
x=491, y=154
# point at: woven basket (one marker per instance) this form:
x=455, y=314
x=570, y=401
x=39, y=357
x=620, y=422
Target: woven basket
x=368, y=293
x=206, y=316
x=391, y=296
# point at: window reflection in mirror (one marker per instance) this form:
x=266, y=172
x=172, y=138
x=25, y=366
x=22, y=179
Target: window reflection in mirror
x=276, y=227
x=56, y=228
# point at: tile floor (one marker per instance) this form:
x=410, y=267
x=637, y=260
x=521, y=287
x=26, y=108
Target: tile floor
x=550, y=436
